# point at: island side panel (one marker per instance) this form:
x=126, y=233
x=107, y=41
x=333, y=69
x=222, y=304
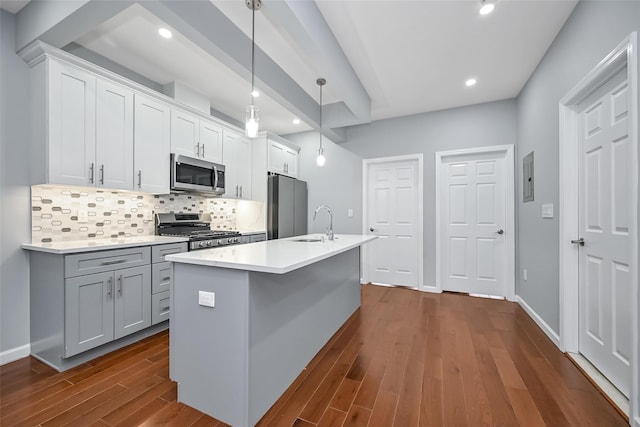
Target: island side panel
x=209, y=346
x=292, y=316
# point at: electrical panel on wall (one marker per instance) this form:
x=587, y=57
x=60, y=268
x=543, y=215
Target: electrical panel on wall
x=527, y=183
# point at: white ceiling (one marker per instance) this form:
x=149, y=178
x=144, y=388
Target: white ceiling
x=13, y=6
x=411, y=56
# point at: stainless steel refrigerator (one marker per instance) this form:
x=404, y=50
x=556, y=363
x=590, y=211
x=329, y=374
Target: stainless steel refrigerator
x=286, y=207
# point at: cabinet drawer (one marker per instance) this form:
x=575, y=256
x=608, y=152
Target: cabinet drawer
x=159, y=251
x=98, y=262
x=160, y=307
x=161, y=277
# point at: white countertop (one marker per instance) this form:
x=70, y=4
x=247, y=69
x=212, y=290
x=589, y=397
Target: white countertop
x=76, y=246
x=272, y=256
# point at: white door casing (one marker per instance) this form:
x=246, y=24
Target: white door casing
x=606, y=206
x=392, y=205
x=475, y=231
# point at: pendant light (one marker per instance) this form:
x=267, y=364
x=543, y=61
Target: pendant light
x=251, y=120
x=320, y=159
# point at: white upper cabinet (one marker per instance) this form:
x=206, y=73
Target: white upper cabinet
x=282, y=160
x=211, y=141
x=152, y=145
x=90, y=129
x=71, y=118
x=237, y=161
x=195, y=137
x=114, y=136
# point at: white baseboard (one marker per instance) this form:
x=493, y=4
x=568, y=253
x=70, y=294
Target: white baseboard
x=553, y=336
x=14, y=354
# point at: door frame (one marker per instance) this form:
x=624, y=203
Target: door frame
x=509, y=226
x=625, y=55
x=366, y=163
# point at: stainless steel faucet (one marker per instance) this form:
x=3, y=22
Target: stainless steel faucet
x=330, y=230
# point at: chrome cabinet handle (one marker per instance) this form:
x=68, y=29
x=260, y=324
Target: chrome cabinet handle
x=101, y=174
x=241, y=191
x=91, y=174
x=109, y=287
x=203, y=149
x=139, y=178
x=198, y=149
x=166, y=279
x=580, y=241
x=115, y=261
x=236, y=191
x=120, y=284
x=501, y=231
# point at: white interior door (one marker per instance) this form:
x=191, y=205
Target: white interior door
x=393, y=215
x=473, y=223
x=605, y=290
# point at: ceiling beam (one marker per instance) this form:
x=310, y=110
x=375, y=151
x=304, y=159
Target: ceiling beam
x=59, y=23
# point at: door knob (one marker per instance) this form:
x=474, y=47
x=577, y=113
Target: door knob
x=501, y=231
x=580, y=241
x=371, y=229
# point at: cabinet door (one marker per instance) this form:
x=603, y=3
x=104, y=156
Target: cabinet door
x=232, y=190
x=291, y=162
x=72, y=127
x=88, y=320
x=210, y=141
x=184, y=133
x=114, y=136
x=243, y=167
x=132, y=300
x=275, y=157
x=151, y=145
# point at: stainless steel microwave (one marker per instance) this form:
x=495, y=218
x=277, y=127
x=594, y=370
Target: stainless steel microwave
x=196, y=175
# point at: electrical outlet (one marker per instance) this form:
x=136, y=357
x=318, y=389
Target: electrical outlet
x=207, y=299
x=350, y=213
x=524, y=274
x=83, y=216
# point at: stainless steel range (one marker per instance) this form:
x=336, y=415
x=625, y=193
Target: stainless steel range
x=197, y=228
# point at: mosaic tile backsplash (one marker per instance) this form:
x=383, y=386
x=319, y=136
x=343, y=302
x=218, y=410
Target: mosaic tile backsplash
x=79, y=213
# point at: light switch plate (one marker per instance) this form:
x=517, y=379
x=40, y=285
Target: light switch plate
x=350, y=213
x=547, y=210
x=207, y=299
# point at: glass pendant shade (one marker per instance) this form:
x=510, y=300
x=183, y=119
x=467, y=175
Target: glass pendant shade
x=251, y=122
x=320, y=159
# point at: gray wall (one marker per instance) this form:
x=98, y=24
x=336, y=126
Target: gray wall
x=493, y=123
x=593, y=30
x=14, y=191
x=337, y=184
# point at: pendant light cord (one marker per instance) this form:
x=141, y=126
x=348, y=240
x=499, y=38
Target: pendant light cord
x=253, y=48
x=320, y=117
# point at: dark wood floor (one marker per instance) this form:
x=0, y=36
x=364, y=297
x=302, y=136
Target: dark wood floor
x=404, y=359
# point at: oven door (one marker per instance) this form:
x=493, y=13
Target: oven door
x=189, y=174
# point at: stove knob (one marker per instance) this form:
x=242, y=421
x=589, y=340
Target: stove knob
x=202, y=244
x=209, y=243
x=221, y=242
x=236, y=239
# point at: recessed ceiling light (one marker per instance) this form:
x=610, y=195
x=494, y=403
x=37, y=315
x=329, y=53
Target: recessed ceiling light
x=470, y=82
x=486, y=8
x=165, y=33
x=296, y=121
x=255, y=93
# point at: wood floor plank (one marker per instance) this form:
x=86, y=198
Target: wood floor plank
x=384, y=410
x=405, y=358
x=332, y=417
x=357, y=417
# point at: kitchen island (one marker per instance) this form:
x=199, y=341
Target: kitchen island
x=247, y=319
